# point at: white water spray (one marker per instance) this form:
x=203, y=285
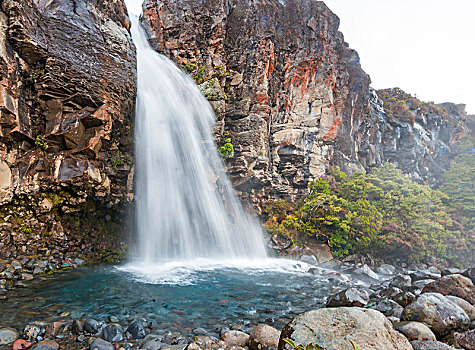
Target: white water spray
x=186, y=208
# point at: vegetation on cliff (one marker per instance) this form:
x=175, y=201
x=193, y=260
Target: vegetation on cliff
x=382, y=213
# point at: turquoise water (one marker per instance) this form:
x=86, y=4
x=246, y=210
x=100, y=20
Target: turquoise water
x=174, y=296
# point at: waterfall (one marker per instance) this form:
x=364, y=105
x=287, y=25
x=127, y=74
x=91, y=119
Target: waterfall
x=186, y=207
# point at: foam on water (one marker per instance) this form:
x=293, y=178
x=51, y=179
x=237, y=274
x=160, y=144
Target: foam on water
x=188, y=272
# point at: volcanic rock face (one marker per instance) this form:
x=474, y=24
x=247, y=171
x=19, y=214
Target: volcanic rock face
x=291, y=94
x=67, y=95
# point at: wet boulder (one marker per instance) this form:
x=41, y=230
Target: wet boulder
x=91, y=326
x=333, y=328
x=438, y=312
x=112, y=333
x=349, y=297
x=263, y=337
x=415, y=331
x=456, y=285
x=136, y=330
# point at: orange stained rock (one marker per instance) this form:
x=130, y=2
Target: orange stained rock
x=21, y=344
x=332, y=133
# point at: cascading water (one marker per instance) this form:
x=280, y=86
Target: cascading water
x=186, y=208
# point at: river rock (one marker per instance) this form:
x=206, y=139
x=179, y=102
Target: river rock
x=101, y=344
x=46, y=345
x=77, y=327
x=456, y=285
x=21, y=344
x=235, y=338
x=430, y=345
x=91, y=326
x=332, y=329
x=366, y=272
x=415, y=330
x=31, y=332
x=403, y=298
x=465, y=305
x=8, y=336
x=386, y=269
x=387, y=307
x=136, y=330
x=349, y=297
x=466, y=340
x=420, y=284
x=263, y=337
x=112, y=333
x=438, y=312
x=401, y=281
x=53, y=329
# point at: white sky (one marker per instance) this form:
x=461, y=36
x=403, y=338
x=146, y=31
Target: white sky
x=425, y=47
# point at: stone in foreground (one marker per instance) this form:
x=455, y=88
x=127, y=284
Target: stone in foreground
x=333, y=328
x=263, y=337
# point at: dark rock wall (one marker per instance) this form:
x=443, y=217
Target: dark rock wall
x=291, y=93
x=67, y=94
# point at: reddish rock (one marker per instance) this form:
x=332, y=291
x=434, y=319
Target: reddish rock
x=21, y=344
x=456, y=285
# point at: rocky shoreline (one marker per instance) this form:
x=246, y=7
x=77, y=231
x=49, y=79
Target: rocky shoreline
x=420, y=307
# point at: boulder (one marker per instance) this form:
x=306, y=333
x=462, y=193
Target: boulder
x=430, y=345
x=401, y=281
x=136, y=330
x=101, y=344
x=403, y=298
x=112, y=333
x=46, y=345
x=8, y=336
x=465, y=340
x=456, y=285
x=415, y=331
x=91, y=326
x=235, y=338
x=349, y=297
x=465, y=305
x=386, y=269
x=438, y=312
x=264, y=337
x=333, y=328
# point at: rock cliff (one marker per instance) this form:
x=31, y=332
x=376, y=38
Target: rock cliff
x=292, y=95
x=67, y=95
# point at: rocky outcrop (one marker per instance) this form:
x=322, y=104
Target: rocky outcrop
x=337, y=328
x=285, y=85
x=67, y=95
x=292, y=95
